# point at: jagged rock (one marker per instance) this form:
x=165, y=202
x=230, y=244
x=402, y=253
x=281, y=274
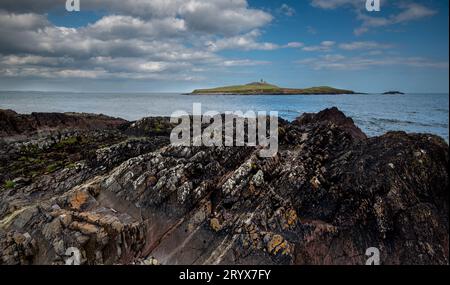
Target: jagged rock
x=17, y=248
x=328, y=195
x=12, y=123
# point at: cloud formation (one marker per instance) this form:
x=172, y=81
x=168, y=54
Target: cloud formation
x=181, y=39
x=287, y=10
x=323, y=46
x=137, y=39
x=408, y=11
x=371, y=45
x=349, y=63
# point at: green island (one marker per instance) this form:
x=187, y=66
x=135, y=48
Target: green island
x=264, y=88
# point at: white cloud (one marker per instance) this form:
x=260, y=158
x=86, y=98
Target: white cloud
x=411, y=12
x=333, y=4
x=212, y=16
x=28, y=21
x=287, y=10
x=248, y=41
x=243, y=42
x=322, y=47
x=294, y=45
x=137, y=39
x=340, y=62
x=244, y=62
x=363, y=46
x=408, y=11
x=116, y=26
x=222, y=16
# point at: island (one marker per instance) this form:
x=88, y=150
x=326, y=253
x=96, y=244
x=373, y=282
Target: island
x=264, y=88
x=393, y=93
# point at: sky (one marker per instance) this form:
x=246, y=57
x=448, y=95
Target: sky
x=181, y=45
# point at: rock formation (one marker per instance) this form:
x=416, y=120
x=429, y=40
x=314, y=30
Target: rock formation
x=121, y=194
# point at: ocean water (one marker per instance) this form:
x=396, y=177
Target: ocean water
x=374, y=114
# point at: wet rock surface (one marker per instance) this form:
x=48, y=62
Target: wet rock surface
x=121, y=194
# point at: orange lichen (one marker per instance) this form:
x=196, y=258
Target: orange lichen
x=85, y=228
x=277, y=244
x=215, y=224
x=78, y=200
x=291, y=217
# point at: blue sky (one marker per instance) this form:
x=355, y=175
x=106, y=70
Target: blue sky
x=177, y=46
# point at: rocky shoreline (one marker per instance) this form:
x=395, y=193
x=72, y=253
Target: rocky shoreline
x=121, y=194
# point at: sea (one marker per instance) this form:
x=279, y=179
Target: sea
x=375, y=114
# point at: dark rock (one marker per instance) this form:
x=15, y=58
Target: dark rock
x=333, y=116
x=393, y=93
x=327, y=196
x=12, y=123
